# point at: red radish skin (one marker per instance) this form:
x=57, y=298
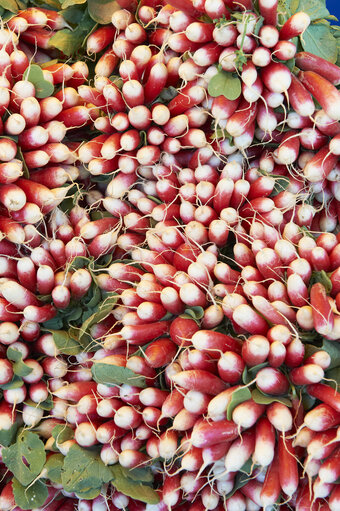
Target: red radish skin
x=326, y=394
x=200, y=380
x=206, y=434
x=323, y=91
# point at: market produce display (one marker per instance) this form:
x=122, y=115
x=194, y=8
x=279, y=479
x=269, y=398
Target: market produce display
x=169, y=255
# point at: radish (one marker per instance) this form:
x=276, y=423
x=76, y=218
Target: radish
x=323, y=91
x=206, y=434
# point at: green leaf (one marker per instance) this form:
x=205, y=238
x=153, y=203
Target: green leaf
x=318, y=39
x=242, y=477
x=290, y=64
x=224, y=84
x=65, y=343
x=80, y=262
x=134, y=489
x=55, y=323
x=69, y=3
x=32, y=496
x=101, y=10
x=19, y=367
x=238, y=396
x=61, y=433
x=322, y=277
x=15, y=383
x=26, y=457
x=54, y=466
x=281, y=184
x=109, y=374
x=250, y=373
x=307, y=401
x=168, y=94
x=43, y=405
x=73, y=14
x=103, y=311
x=20, y=156
x=49, y=63
x=141, y=474
x=98, y=215
x=258, y=25
x=43, y=88
x=294, y=6
x=8, y=435
x=90, y=494
x=9, y=5
x=333, y=349
x=316, y=9
x=83, y=470
x=333, y=374
x=69, y=41
x=94, y=297
x=13, y=354
x=284, y=10
x=263, y=399
x=195, y=313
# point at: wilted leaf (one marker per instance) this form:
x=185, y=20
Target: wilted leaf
x=101, y=10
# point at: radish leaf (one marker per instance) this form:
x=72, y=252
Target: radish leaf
x=127, y=482
x=139, y=474
x=238, y=396
x=8, y=435
x=9, y=5
x=84, y=471
x=333, y=350
x=101, y=10
x=316, y=9
x=224, y=84
x=43, y=88
x=62, y=433
x=250, y=373
x=15, y=383
x=66, y=344
x=109, y=374
x=103, y=311
x=322, y=277
x=19, y=367
x=69, y=41
x=32, y=496
x=318, y=39
x=195, y=313
x=26, y=457
x=242, y=477
x=263, y=399
x=54, y=466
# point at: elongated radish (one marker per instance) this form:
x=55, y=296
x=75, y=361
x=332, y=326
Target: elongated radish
x=323, y=91
x=206, y=434
x=200, y=380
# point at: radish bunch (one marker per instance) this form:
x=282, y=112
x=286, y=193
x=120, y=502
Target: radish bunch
x=169, y=262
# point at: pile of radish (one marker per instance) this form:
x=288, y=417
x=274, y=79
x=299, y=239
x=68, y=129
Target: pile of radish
x=170, y=257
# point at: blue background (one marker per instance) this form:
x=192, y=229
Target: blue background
x=334, y=7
